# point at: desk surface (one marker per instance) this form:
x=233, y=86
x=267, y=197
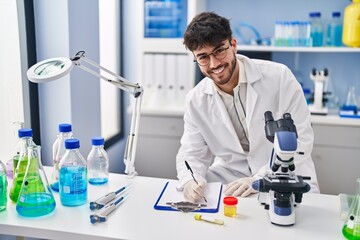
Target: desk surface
x=317, y=218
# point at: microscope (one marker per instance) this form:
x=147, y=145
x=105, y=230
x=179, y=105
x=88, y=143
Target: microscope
x=280, y=191
x=319, y=78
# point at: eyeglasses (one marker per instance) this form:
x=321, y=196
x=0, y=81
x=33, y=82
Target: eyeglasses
x=219, y=54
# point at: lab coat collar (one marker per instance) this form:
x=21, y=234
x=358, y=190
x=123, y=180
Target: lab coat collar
x=253, y=74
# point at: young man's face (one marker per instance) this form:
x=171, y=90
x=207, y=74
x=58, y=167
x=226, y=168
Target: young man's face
x=218, y=62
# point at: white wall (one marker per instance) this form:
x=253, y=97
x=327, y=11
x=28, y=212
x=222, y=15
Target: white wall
x=12, y=75
x=63, y=28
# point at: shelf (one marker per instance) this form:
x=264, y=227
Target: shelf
x=164, y=45
x=297, y=49
x=335, y=120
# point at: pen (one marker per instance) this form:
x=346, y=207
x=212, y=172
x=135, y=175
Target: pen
x=192, y=174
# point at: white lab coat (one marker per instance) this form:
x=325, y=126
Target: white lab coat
x=210, y=144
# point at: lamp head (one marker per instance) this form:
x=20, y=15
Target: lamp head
x=49, y=69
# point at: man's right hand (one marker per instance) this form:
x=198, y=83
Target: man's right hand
x=193, y=191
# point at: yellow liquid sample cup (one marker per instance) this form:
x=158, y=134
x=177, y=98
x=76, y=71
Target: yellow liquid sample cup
x=230, y=204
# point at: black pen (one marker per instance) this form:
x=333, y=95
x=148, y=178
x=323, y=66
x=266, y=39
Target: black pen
x=192, y=174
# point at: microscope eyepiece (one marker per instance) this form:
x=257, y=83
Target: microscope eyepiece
x=268, y=116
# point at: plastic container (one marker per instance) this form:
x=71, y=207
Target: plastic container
x=334, y=31
x=98, y=162
x=21, y=163
x=165, y=18
x=351, y=25
x=65, y=132
x=35, y=198
x=3, y=187
x=316, y=32
x=10, y=165
x=73, y=175
x=230, y=205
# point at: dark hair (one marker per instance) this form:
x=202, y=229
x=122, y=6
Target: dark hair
x=206, y=28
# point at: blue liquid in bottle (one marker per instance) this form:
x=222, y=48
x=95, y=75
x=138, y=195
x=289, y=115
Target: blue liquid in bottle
x=98, y=162
x=73, y=185
x=55, y=186
x=98, y=181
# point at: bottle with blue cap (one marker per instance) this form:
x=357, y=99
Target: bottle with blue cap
x=98, y=162
x=72, y=175
x=334, y=31
x=26, y=140
x=317, y=32
x=65, y=132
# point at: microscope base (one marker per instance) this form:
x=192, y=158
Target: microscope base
x=281, y=216
x=318, y=111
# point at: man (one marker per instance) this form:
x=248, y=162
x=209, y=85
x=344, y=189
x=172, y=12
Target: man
x=224, y=138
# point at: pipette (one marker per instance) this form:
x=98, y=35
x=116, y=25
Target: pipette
x=102, y=201
x=101, y=216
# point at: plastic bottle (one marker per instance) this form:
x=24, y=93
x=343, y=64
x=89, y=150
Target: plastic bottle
x=12, y=163
x=351, y=228
x=334, y=31
x=351, y=25
x=73, y=175
x=3, y=187
x=230, y=204
x=317, y=33
x=20, y=165
x=35, y=198
x=98, y=162
x=65, y=132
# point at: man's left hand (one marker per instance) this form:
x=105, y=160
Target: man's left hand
x=241, y=187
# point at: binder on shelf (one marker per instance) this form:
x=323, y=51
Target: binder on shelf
x=171, y=76
x=170, y=193
x=184, y=83
x=148, y=79
x=159, y=80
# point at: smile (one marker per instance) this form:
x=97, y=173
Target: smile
x=219, y=70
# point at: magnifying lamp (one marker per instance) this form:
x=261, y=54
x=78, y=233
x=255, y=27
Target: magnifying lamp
x=55, y=68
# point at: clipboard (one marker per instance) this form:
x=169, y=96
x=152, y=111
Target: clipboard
x=170, y=193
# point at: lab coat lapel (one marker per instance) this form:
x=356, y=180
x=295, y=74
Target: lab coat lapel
x=252, y=75
x=220, y=111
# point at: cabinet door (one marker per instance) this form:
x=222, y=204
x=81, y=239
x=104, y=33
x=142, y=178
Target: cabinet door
x=158, y=145
x=156, y=156
x=337, y=168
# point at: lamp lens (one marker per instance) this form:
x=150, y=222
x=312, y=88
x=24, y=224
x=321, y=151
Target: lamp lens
x=49, y=68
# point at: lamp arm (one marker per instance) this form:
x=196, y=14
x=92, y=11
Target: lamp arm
x=131, y=143
x=120, y=82
x=123, y=84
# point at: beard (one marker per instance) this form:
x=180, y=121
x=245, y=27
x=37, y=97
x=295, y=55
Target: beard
x=222, y=79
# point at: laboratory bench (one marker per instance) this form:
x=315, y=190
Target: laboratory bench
x=136, y=218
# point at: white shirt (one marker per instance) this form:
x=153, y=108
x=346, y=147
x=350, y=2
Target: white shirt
x=236, y=107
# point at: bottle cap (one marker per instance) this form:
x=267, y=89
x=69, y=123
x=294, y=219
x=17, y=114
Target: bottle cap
x=315, y=14
x=336, y=14
x=64, y=127
x=72, y=143
x=25, y=132
x=230, y=200
x=97, y=141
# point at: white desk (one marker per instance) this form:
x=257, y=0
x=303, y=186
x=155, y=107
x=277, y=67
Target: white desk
x=317, y=218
